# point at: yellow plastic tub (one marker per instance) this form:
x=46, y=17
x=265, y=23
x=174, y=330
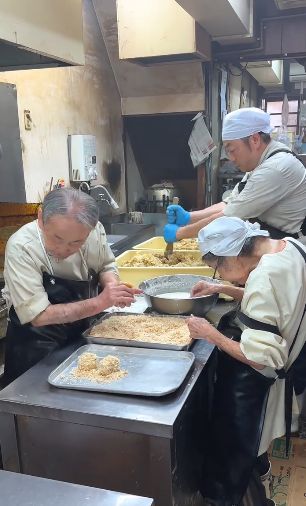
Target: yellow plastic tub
x=136, y=275
x=158, y=243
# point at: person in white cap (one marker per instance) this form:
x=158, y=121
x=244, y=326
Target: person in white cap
x=273, y=190
x=262, y=368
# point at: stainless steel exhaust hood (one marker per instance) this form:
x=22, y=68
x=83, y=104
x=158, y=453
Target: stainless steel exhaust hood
x=48, y=33
x=14, y=57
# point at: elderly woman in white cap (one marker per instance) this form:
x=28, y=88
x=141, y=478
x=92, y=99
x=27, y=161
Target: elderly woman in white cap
x=261, y=368
x=273, y=190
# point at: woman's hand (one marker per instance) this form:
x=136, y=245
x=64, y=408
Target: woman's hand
x=199, y=328
x=204, y=288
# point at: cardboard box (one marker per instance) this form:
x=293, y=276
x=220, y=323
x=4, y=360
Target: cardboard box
x=288, y=472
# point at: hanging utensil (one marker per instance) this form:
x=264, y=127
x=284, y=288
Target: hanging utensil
x=169, y=248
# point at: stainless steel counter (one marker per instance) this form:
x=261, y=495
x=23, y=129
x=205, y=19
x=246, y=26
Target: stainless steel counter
x=31, y=395
x=151, y=447
x=18, y=489
x=141, y=446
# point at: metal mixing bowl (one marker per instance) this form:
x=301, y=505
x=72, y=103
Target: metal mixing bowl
x=198, y=306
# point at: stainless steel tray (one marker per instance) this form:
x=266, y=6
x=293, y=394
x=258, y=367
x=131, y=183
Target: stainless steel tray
x=150, y=372
x=132, y=342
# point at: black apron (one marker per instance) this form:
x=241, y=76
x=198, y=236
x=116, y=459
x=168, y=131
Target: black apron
x=238, y=414
x=26, y=345
x=275, y=233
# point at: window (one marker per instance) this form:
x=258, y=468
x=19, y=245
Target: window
x=274, y=108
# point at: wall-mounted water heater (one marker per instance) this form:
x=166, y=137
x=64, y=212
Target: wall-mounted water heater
x=82, y=157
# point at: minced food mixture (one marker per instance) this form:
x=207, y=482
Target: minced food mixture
x=151, y=329
x=177, y=259
x=189, y=244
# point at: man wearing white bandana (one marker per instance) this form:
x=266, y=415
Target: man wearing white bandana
x=272, y=192
x=261, y=371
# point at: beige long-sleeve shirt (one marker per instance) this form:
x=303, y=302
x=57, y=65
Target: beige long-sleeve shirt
x=275, y=191
x=26, y=260
x=275, y=293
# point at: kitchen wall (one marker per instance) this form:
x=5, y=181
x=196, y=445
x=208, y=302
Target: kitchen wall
x=74, y=100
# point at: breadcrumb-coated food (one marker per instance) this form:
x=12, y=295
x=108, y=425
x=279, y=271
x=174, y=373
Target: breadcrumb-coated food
x=87, y=362
x=105, y=370
x=151, y=329
x=177, y=259
x=108, y=365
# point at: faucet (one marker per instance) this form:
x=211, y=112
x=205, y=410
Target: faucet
x=109, y=199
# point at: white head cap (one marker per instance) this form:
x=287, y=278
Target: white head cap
x=225, y=237
x=244, y=122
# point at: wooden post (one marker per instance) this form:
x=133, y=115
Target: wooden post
x=201, y=180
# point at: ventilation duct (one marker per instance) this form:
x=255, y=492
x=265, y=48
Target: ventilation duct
x=290, y=4
x=228, y=21
x=266, y=73
x=297, y=73
x=159, y=31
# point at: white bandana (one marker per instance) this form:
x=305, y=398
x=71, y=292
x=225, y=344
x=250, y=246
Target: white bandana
x=244, y=122
x=225, y=237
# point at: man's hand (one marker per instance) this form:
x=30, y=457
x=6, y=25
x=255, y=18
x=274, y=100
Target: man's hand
x=178, y=215
x=199, y=328
x=204, y=288
x=170, y=232
x=119, y=295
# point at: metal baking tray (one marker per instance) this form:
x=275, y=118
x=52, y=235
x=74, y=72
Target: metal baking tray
x=132, y=342
x=150, y=372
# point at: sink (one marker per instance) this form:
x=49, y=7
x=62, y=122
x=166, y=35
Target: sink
x=124, y=228
x=119, y=223
x=108, y=221
x=113, y=239
x=123, y=236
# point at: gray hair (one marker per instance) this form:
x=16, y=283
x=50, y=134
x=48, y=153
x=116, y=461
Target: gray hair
x=74, y=203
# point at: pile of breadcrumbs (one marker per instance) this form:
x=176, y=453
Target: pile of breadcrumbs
x=151, y=329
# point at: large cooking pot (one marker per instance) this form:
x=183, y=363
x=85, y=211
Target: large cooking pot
x=162, y=191
x=176, y=290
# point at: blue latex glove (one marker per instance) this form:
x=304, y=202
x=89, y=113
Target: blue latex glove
x=170, y=232
x=177, y=214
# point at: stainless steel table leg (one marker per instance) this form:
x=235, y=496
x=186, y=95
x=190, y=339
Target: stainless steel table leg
x=9, y=442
